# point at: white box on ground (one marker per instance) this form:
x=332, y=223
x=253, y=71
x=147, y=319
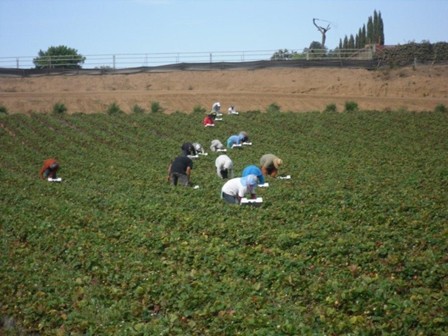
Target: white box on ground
x=254, y=202
x=247, y=143
x=237, y=146
x=218, y=119
x=264, y=185
x=287, y=177
x=219, y=114
x=221, y=150
x=55, y=180
x=193, y=156
x=233, y=113
x=210, y=125
x=203, y=154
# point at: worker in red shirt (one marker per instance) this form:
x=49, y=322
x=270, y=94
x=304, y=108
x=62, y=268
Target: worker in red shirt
x=49, y=169
x=209, y=120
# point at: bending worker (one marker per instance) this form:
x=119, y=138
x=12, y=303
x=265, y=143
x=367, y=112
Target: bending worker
x=224, y=166
x=215, y=145
x=237, y=139
x=235, y=189
x=188, y=149
x=253, y=170
x=270, y=164
x=49, y=169
x=180, y=170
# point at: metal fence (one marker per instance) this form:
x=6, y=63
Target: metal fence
x=120, y=61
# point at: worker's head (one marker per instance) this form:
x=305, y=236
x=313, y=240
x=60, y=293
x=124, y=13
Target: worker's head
x=277, y=162
x=54, y=166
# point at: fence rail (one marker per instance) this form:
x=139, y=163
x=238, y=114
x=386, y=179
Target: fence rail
x=117, y=61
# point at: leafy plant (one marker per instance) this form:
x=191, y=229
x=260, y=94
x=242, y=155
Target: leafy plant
x=274, y=108
x=199, y=110
x=3, y=109
x=351, y=106
x=114, y=108
x=156, y=108
x=331, y=108
x=59, y=108
x=136, y=109
x=441, y=108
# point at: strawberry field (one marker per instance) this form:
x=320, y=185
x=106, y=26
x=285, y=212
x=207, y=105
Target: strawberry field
x=355, y=243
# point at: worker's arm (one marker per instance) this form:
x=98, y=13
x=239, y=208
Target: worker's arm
x=169, y=173
x=188, y=174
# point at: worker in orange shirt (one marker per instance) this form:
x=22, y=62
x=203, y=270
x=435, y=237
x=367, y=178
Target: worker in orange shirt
x=49, y=169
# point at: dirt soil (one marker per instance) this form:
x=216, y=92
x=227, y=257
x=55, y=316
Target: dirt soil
x=293, y=89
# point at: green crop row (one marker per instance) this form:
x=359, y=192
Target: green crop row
x=356, y=242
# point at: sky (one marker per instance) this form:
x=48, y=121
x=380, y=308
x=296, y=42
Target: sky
x=100, y=27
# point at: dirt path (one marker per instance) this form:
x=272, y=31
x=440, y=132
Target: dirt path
x=297, y=90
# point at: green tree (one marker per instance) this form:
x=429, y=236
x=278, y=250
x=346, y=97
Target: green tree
x=283, y=55
x=59, y=57
x=370, y=30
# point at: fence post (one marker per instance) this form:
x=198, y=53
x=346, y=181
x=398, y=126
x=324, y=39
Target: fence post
x=211, y=58
x=17, y=62
x=113, y=61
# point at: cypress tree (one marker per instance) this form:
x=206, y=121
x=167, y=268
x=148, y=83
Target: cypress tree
x=380, y=30
x=370, y=31
x=351, y=42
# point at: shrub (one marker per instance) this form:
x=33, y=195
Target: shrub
x=331, y=108
x=441, y=108
x=3, y=109
x=199, y=109
x=273, y=108
x=156, y=108
x=114, y=108
x=136, y=109
x=351, y=106
x=59, y=108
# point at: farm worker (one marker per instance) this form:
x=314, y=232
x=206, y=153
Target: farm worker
x=254, y=170
x=237, y=139
x=49, y=169
x=232, y=110
x=224, y=166
x=179, y=170
x=235, y=189
x=215, y=145
x=198, y=147
x=270, y=164
x=216, y=107
x=208, y=120
x=188, y=149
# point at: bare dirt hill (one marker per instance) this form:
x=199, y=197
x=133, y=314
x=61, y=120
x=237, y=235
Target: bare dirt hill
x=293, y=89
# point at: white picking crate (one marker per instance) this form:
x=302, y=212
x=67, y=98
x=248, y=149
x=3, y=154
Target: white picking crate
x=222, y=150
x=55, y=180
x=218, y=119
x=253, y=202
x=264, y=185
x=247, y=143
x=193, y=156
x=210, y=125
x=205, y=154
x=237, y=146
x=287, y=177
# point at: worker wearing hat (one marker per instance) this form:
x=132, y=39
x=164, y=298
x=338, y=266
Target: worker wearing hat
x=235, y=189
x=270, y=164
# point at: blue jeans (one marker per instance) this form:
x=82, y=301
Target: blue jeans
x=49, y=172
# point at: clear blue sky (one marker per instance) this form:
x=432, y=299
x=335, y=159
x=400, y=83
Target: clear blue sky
x=159, y=26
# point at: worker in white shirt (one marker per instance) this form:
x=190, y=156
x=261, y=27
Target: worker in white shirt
x=224, y=167
x=235, y=189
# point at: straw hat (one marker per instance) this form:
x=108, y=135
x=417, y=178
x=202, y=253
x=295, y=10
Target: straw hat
x=277, y=162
